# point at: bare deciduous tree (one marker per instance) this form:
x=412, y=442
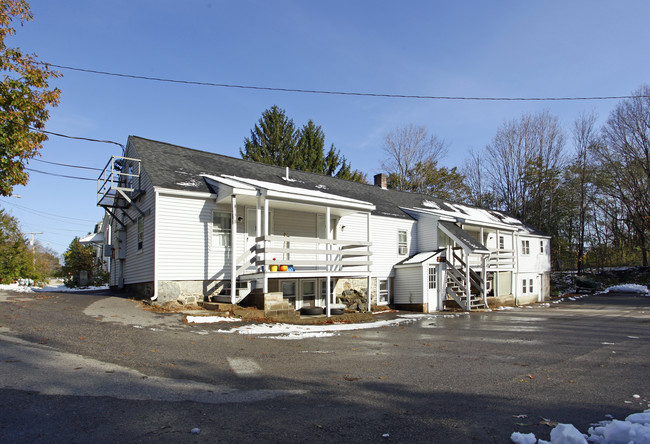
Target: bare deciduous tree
x=407, y=147
x=625, y=160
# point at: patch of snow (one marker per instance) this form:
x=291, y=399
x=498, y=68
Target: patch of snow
x=64, y=289
x=50, y=288
x=321, y=187
x=191, y=183
x=634, y=429
x=210, y=319
x=17, y=288
x=628, y=288
x=430, y=204
x=504, y=308
x=292, y=331
x=523, y=438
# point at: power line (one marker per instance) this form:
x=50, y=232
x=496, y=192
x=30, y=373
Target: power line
x=67, y=165
x=43, y=213
x=87, y=139
x=60, y=175
x=340, y=93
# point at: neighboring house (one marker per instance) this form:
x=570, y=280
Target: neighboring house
x=100, y=239
x=190, y=225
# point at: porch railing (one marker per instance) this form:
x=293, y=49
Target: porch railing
x=498, y=259
x=309, y=254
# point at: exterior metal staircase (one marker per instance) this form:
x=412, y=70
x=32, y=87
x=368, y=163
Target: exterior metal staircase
x=469, y=299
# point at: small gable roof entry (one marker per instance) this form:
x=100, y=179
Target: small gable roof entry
x=462, y=237
x=419, y=258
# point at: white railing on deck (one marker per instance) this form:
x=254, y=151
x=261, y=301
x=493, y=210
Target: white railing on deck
x=311, y=254
x=498, y=259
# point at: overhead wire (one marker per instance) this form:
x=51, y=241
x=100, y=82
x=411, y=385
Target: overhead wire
x=333, y=92
x=67, y=165
x=44, y=213
x=59, y=175
x=52, y=133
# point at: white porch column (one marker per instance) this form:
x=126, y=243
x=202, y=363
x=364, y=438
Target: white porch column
x=468, y=282
x=369, y=267
x=233, y=250
x=265, y=278
x=328, y=246
x=484, y=271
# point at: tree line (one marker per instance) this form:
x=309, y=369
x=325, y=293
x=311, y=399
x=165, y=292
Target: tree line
x=586, y=187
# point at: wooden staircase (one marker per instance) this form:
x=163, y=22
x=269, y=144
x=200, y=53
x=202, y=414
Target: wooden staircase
x=471, y=298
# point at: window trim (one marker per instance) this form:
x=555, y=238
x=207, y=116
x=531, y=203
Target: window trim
x=525, y=247
x=502, y=243
x=542, y=247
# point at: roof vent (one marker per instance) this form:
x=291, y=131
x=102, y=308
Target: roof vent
x=381, y=180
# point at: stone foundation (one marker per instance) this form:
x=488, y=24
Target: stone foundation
x=187, y=292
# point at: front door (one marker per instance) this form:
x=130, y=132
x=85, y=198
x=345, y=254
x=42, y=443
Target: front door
x=431, y=290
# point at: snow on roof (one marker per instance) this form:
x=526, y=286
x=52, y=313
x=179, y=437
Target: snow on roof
x=473, y=215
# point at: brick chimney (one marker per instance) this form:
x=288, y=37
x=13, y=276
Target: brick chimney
x=381, y=180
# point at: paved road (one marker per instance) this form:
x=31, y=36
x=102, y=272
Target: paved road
x=88, y=368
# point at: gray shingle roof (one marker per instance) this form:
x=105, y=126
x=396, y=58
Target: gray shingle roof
x=179, y=168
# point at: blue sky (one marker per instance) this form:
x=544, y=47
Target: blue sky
x=463, y=48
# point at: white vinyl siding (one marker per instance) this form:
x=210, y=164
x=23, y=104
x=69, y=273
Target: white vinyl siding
x=384, y=242
x=294, y=223
x=408, y=286
x=185, y=231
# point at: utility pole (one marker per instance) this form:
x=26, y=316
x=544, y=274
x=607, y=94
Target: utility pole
x=33, y=252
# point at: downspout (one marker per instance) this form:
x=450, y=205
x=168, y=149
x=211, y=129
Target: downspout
x=233, y=249
x=155, y=247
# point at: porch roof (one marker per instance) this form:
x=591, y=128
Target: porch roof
x=94, y=238
x=462, y=237
x=226, y=185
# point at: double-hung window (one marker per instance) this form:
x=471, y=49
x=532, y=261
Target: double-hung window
x=383, y=291
x=525, y=247
x=502, y=243
x=140, y=232
x=541, y=247
x=221, y=228
x=402, y=243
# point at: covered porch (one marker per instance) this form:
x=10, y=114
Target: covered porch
x=293, y=240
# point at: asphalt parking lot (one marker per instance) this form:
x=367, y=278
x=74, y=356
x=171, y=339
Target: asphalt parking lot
x=95, y=367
